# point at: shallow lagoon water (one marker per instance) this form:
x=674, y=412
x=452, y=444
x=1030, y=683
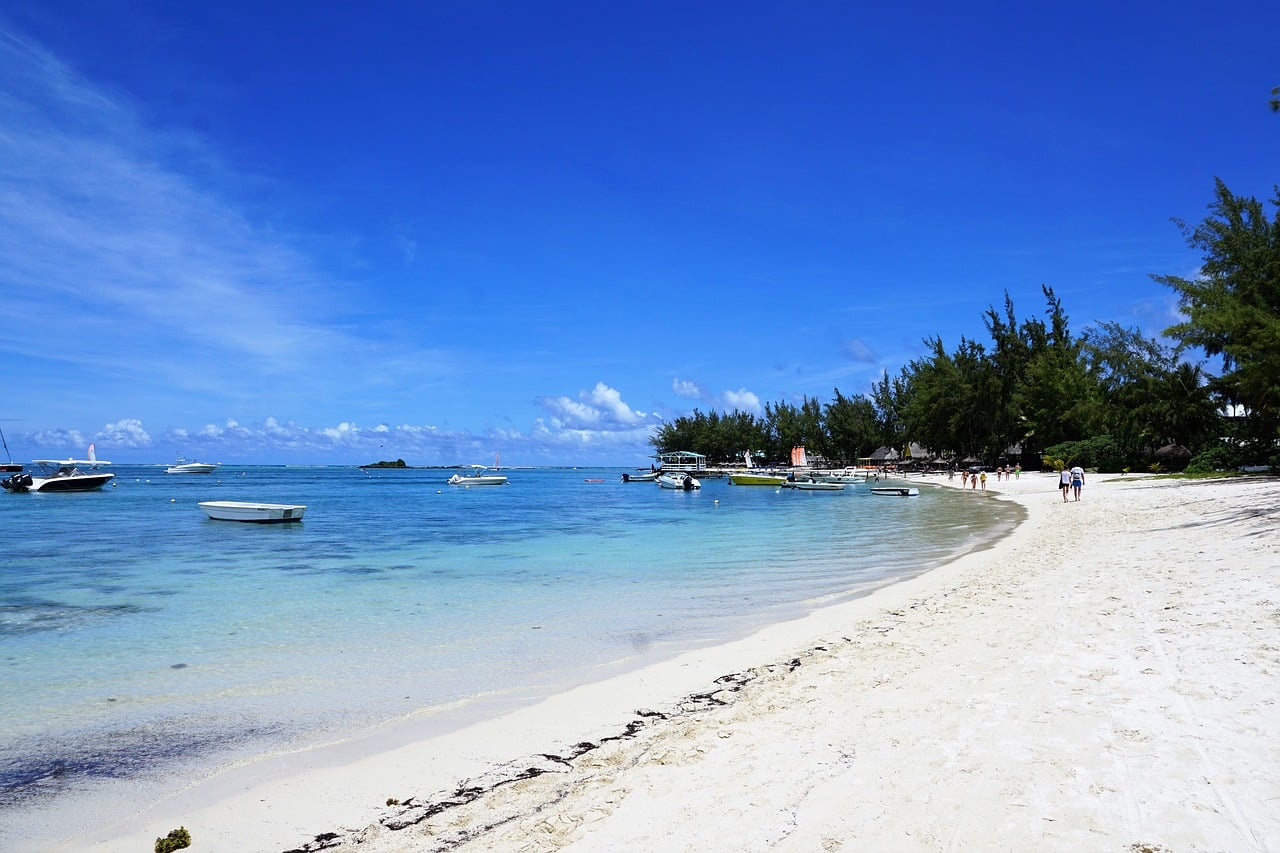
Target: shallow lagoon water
x=136, y=635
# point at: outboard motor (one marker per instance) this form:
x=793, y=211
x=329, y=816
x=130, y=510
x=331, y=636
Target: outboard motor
x=17, y=483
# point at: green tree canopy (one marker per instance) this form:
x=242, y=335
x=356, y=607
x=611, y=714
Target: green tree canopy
x=1232, y=307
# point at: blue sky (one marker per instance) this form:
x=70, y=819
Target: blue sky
x=334, y=233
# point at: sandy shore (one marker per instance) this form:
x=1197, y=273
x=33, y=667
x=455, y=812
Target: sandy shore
x=1105, y=678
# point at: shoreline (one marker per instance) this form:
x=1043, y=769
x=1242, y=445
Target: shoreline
x=637, y=726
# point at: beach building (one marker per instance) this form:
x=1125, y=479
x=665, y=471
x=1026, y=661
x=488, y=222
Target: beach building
x=685, y=461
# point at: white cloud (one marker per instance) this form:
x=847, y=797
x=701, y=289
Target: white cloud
x=688, y=389
x=126, y=432
x=601, y=408
x=59, y=438
x=742, y=400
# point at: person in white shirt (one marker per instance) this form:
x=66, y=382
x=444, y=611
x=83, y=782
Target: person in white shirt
x=1064, y=483
x=1077, y=480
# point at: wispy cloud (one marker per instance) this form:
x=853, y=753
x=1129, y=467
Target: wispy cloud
x=121, y=242
x=859, y=351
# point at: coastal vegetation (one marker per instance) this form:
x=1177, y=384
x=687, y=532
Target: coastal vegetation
x=1036, y=393
x=398, y=463
x=177, y=839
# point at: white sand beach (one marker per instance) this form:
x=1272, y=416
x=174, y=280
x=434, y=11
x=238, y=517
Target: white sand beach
x=1105, y=678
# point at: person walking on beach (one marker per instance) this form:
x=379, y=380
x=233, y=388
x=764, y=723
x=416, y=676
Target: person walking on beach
x=983, y=477
x=1064, y=483
x=1077, y=481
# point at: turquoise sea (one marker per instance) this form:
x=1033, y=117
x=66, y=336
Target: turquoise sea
x=142, y=642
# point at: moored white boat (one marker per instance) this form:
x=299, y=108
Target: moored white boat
x=679, y=482
x=182, y=466
x=815, y=486
x=61, y=475
x=477, y=478
x=642, y=477
x=895, y=491
x=252, y=512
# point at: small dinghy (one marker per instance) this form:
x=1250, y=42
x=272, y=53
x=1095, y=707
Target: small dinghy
x=895, y=491
x=252, y=512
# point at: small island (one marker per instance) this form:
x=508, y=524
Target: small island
x=399, y=463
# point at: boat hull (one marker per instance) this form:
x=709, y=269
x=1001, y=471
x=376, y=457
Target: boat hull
x=73, y=483
x=895, y=491
x=192, y=468
x=486, y=480
x=817, y=487
x=254, y=513
x=679, y=482
x=640, y=478
x=774, y=480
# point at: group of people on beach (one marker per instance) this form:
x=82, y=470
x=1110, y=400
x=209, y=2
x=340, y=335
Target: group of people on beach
x=972, y=479
x=1071, y=480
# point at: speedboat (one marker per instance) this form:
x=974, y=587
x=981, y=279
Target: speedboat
x=478, y=479
x=182, y=466
x=252, y=512
x=815, y=486
x=757, y=478
x=679, y=481
x=61, y=475
x=895, y=491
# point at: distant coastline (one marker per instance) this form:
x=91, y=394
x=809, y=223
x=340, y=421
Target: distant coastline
x=399, y=463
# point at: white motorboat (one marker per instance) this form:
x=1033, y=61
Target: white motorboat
x=477, y=478
x=895, y=491
x=61, y=475
x=182, y=466
x=815, y=486
x=252, y=512
x=644, y=477
x=681, y=482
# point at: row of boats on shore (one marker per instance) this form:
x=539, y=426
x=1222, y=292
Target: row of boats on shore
x=827, y=481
